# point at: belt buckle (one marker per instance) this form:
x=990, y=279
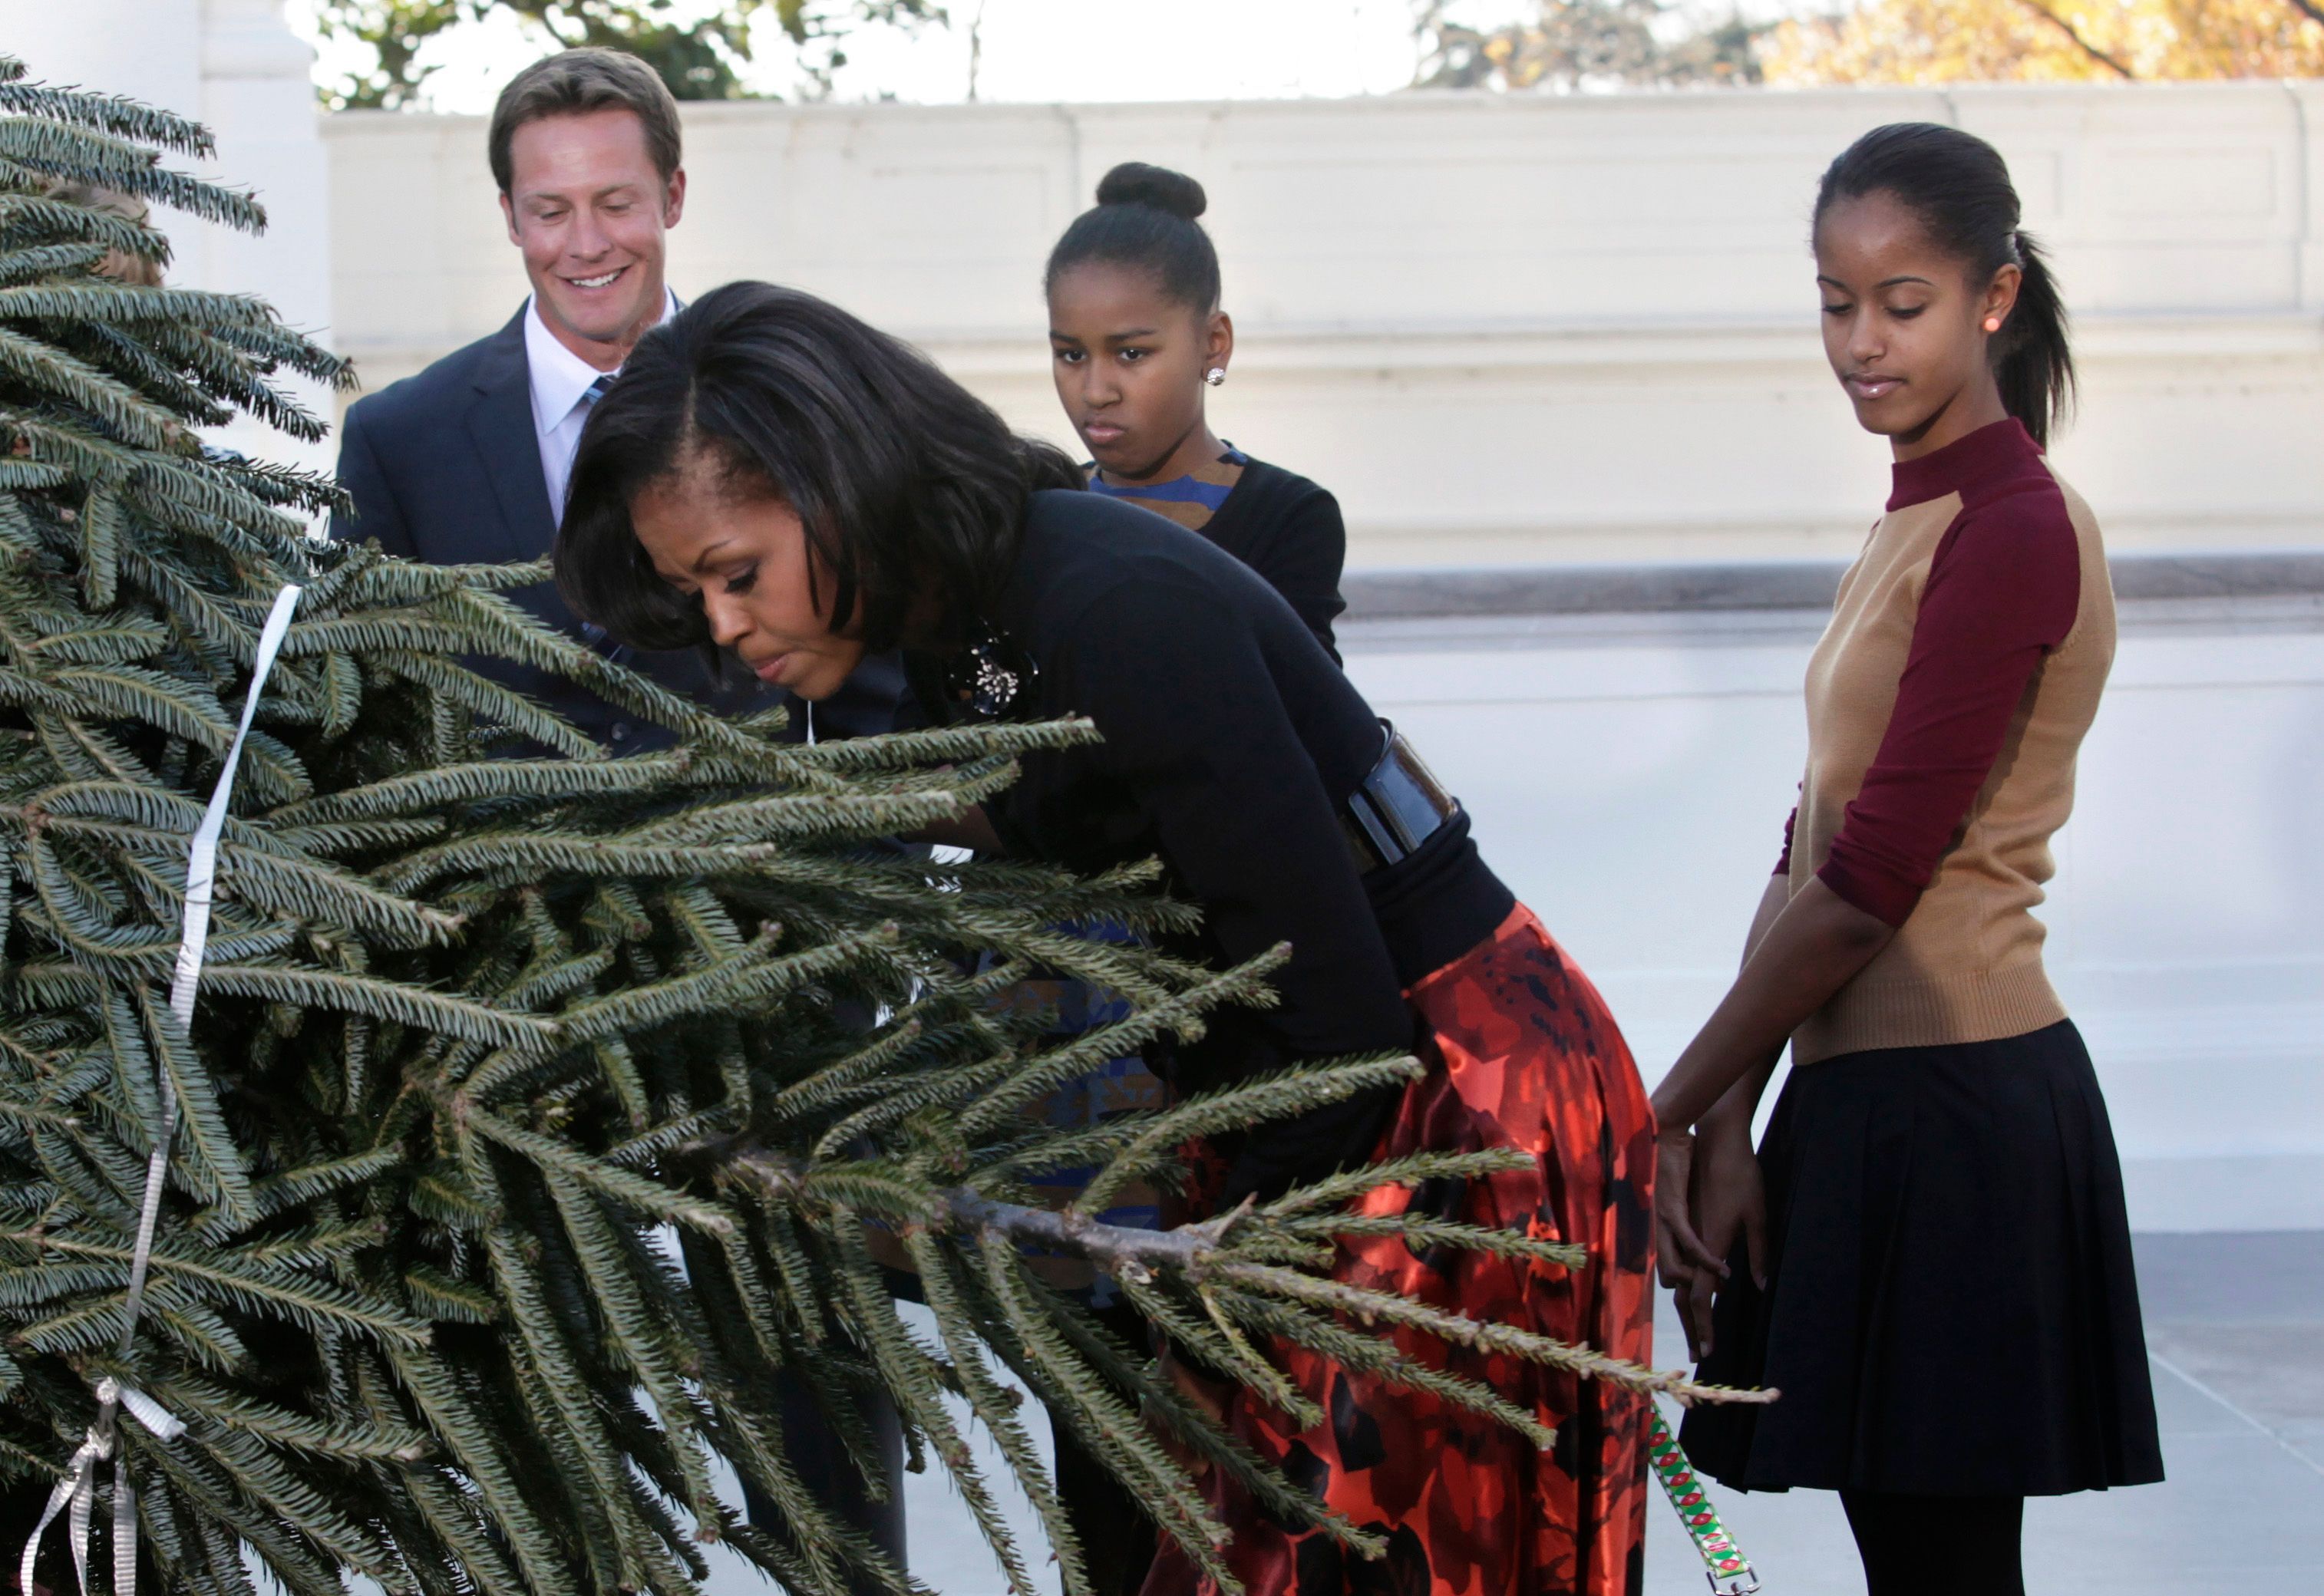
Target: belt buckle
x=1397, y=806
x=1405, y=795
x=1372, y=830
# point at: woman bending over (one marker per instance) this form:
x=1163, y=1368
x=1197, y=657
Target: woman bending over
x=774, y=477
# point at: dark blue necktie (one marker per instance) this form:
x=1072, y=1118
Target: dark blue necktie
x=591, y=632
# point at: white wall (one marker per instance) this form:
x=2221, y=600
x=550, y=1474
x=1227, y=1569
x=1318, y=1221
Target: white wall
x=1505, y=330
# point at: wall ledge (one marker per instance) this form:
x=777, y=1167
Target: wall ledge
x=1772, y=585
x=1275, y=352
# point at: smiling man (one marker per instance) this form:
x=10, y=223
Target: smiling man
x=466, y=461
x=585, y=146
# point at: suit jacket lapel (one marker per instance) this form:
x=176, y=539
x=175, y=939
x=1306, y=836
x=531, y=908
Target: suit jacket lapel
x=500, y=426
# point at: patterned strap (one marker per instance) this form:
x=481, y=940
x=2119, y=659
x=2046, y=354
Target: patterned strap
x=1722, y=1559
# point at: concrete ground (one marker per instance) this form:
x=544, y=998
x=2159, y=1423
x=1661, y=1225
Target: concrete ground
x=2236, y=1326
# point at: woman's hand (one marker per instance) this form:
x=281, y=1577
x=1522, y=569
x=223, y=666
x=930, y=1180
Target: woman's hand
x=1211, y=1395
x=1729, y=1200
x=1682, y=1257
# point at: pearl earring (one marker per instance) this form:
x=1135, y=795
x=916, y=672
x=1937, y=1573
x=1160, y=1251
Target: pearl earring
x=1992, y=324
x=1215, y=375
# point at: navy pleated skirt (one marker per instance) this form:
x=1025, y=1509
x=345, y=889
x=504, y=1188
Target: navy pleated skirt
x=1951, y=1309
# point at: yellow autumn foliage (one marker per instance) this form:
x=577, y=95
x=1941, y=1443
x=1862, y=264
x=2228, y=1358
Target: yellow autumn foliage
x=1928, y=41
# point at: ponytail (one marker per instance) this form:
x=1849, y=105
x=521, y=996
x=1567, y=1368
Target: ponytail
x=2036, y=368
x=1958, y=185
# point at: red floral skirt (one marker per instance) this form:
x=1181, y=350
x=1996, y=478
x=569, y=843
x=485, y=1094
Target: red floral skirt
x=1526, y=1055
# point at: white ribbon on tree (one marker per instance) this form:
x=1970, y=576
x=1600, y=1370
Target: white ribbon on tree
x=76, y=1494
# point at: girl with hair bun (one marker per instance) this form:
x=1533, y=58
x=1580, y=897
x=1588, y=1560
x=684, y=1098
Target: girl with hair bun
x=1929, y=1254
x=1136, y=340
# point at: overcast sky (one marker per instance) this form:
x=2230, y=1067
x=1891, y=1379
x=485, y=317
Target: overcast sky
x=1041, y=49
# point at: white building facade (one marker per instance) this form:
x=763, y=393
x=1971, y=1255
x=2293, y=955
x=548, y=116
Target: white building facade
x=1506, y=331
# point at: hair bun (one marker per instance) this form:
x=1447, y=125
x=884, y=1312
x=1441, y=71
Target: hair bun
x=1134, y=182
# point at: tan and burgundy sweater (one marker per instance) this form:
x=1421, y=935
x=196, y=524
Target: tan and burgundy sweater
x=1946, y=704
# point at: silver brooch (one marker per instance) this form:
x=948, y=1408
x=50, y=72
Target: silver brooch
x=985, y=680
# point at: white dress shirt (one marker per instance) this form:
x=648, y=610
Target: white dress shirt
x=560, y=386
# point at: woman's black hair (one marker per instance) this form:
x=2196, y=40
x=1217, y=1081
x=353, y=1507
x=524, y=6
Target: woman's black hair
x=1145, y=218
x=908, y=484
x=1958, y=185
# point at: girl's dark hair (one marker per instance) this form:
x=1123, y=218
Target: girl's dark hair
x=1145, y=218
x=907, y=482
x=1958, y=185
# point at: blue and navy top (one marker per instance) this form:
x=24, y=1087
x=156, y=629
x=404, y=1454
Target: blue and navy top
x=1192, y=500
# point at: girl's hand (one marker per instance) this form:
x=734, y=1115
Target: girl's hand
x=1681, y=1256
x=1211, y=1395
x=1728, y=1199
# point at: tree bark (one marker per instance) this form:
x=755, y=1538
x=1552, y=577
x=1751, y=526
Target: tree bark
x=2090, y=50
x=1195, y=1249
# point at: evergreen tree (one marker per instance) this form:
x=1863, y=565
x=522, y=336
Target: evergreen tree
x=536, y=1109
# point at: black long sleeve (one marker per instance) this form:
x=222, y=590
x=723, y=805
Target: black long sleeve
x=1241, y=812
x=1197, y=729
x=1232, y=742
x=1302, y=555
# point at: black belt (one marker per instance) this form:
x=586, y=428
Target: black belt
x=1397, y=807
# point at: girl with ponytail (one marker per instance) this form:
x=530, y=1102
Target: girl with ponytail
x=1929, y=1253
x=1137, y=341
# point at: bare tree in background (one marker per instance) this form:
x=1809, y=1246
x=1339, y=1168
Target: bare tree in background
x=1580, y=44
x=2048, y=41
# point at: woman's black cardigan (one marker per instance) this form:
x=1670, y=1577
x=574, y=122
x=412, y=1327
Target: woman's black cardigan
x=1231, y=744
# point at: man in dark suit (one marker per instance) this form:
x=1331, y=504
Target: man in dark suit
x=468, y=461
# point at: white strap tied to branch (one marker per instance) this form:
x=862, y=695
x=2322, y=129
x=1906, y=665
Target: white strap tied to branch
x=76, y=1494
